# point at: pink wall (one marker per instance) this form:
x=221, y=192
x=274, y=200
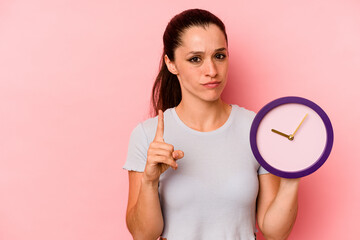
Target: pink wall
x=76, y=77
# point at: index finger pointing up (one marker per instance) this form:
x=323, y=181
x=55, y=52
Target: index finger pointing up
x=160, y=127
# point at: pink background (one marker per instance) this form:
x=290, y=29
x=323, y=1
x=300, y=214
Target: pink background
x=76, y=78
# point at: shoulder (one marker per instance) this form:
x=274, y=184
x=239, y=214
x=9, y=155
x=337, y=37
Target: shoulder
x=243, y=113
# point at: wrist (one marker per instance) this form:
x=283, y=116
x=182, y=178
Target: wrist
x=289, y=185
x=149, y=183
x=290, y=181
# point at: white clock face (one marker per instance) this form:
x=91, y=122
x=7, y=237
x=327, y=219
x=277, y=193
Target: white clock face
x=306, y=147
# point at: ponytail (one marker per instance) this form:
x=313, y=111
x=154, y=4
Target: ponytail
x=166, y=92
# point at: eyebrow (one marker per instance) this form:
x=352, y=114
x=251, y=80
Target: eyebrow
x=199, y=52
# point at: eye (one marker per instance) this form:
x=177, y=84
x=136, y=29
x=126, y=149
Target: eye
x=220, y=56
x=195, y=59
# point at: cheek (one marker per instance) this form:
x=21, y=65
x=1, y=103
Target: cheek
x=190, y=73
x=224, y=67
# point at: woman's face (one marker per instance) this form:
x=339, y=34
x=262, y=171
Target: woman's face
x=201, y=58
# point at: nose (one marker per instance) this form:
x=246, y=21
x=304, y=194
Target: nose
x=210, y=70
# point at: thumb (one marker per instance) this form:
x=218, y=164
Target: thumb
x=177, y=154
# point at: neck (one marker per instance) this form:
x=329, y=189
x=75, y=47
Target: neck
x=203, y=116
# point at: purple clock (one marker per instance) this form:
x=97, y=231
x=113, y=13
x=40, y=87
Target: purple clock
x=291, y=137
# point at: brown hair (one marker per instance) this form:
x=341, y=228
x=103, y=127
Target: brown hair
x=166, y=91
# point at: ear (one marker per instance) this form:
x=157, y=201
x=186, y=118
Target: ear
x=170, y=65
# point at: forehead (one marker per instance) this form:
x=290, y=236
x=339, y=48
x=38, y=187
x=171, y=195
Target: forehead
x=201, y=38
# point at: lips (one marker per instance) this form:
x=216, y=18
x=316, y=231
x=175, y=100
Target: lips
x=212, y=85
x=213, y=82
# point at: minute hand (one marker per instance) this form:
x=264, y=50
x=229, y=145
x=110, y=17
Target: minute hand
x=300, y=124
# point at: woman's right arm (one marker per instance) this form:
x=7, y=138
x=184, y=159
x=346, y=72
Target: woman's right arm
x=143, y=216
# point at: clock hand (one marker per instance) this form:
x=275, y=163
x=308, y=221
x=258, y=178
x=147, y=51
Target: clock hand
x=300, y=124
x=290, y=137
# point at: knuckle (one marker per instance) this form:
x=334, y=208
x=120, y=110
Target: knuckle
x=164, y=159
x=170, y=160
x=171, y=147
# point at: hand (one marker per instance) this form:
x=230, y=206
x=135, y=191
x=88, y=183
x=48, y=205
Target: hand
x=160, y=155
x=299, y=125
x=290, y=137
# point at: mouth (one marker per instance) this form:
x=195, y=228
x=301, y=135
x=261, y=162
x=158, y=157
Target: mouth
x=212, y=84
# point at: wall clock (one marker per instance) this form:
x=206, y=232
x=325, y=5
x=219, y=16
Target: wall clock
x=291, y=137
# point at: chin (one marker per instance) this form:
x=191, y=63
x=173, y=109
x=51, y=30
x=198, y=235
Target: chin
x=213, y=98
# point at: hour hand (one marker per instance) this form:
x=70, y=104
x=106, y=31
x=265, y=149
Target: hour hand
x=290, y=137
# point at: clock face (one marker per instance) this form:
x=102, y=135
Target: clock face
x=291, y=137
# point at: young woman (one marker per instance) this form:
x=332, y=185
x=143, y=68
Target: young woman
x=192, y=174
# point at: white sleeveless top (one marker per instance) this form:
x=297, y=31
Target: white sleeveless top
x=212, y=194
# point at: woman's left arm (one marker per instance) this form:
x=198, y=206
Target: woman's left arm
x=277, y=205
